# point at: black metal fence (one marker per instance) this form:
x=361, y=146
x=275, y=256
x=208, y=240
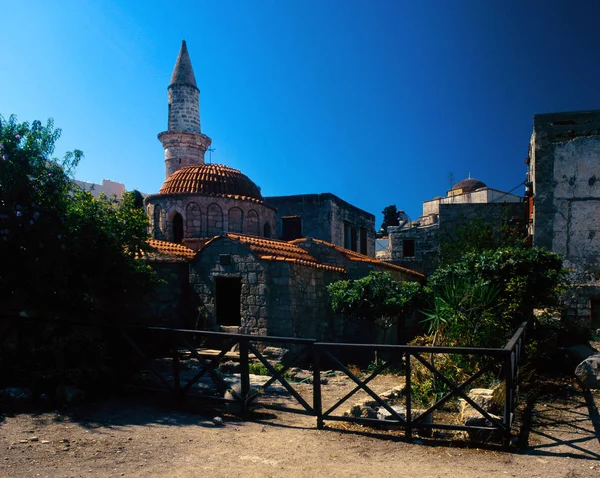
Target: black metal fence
x=191, y=362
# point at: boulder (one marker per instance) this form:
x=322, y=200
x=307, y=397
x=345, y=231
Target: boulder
x=362, y=410
x=235, y=407
x=588, y=372
x=274, y=353
x=384, y=415
x=481, y=421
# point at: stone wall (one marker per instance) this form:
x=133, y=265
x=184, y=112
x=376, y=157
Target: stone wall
x=452, y=217
x=325, y=216
x=564, y=170
x=426, y=247
x=254, y=300
x=226, y=215
x=171, y=303
x=496, y=215
x=184, y=108
x=278, y=298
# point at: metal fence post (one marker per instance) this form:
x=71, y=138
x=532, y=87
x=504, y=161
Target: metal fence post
x=408, y=387
x=317, y=401
x=244, y=375
x=509, y=391
x=176, y=368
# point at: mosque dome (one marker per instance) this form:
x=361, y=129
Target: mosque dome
x=211, y=180
x=469, y=184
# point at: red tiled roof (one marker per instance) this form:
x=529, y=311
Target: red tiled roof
x=355, y=256
x=168, y=252
x=275, y=250
x=212, y=180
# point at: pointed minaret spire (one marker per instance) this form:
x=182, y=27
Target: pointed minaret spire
x=183, y=141
x=183, y=73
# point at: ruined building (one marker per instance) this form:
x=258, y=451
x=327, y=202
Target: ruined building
x=564, y=201
x=416, y=244
x=217, y=247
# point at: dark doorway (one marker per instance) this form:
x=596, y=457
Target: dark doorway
x=292, y=227
x=177, y=227
x=228, y=293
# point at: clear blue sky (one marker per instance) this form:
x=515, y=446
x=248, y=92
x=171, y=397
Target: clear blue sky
x=377, y=102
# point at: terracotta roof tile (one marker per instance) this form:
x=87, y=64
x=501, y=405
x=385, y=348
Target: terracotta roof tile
x=212, y=180
x=276, y=250
x=355, y=256
x=168, y=252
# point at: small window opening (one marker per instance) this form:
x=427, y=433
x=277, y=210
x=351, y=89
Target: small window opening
x=363, y=241
x=291, y=227
x=408, y=248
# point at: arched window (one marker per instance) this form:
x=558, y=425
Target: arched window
x=267, y=230
x=193, y=220
x=252, y=224
x=177, y=227
x=159, y=225
x=214, y=221
x=235, y=220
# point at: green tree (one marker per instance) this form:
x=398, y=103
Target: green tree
x=63, y=252
x=377, y=298
x=478, y=235
x=391, y=217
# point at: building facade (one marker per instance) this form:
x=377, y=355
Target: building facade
x=326, y=217
x=564, y=201
x=216, y=247
x=415, y=245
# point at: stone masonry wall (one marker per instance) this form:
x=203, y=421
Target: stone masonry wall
x=564, y=170
x=299, y=301
x=254, y=306
x=184, y=108
x=171, y=303
x=194, y=210
x=324, y=217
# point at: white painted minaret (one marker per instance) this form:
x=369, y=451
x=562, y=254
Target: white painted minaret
x=183, y=142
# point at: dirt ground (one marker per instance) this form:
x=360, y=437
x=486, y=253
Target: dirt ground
x=146, y=436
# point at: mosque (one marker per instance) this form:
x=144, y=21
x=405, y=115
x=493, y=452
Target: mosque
x=236, y=261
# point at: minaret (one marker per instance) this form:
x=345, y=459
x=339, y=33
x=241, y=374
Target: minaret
x=183, y=142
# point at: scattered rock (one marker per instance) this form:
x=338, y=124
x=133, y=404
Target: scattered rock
x=45, y=442
x=218, y=421
x=229, y=366
x=361, y=410
x=588, y=372
x=16, y=394
x=235, y=407
x=33, y=439
x=274, y=353
x=480, y=421
x=69, y=395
